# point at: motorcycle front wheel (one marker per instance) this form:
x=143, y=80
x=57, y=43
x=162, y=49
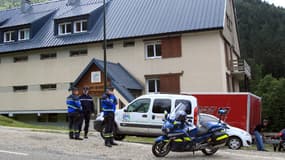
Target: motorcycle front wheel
x=160, y=149
x=209, y=151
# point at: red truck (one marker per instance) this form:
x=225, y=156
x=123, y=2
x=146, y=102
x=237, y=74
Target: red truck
x=244, y=108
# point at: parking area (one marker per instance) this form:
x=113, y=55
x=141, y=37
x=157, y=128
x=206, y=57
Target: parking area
x=24, y=144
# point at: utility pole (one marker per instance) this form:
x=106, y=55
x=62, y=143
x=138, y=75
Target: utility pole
x=105, y=46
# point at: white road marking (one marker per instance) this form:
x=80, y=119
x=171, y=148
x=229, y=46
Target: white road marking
x=15, y=153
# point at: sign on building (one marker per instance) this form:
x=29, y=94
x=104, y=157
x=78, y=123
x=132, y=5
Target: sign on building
x=96, y=77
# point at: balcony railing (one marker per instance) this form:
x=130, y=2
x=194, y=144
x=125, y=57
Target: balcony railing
x=241, y=67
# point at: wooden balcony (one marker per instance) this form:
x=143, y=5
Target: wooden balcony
x=240, y=69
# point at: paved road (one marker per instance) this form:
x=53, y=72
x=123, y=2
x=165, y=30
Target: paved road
x=23, y=144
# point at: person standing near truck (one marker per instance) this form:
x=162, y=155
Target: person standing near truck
x=74, y=108
x=108, y=103
x=87, y=110
x=258, y=135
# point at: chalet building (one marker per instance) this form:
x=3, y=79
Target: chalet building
x=154, y=46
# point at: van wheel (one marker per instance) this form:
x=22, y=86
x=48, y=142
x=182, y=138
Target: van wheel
x=119, y=137
x=234, y=143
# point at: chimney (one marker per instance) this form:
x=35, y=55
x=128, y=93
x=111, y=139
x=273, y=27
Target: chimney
x=73, y=2
x=25, y=5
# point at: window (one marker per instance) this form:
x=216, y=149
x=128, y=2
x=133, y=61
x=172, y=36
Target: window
x=48, y=87
x=20, y=59
x=161, y=105
x=9, y=36
x=129, y=43
x=48, y=56
x=24, y=34
x=109, y=45
x=153, y=50
x=20, y=88
x=140, y=106
x=186, y=103
x=80, y=26
x=64, y=28
x=78, y=53
x=153, y=85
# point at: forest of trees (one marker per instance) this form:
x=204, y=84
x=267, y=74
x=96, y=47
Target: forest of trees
x=7, y=4
x=261, y=29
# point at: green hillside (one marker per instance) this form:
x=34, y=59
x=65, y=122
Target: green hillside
x=7, y=4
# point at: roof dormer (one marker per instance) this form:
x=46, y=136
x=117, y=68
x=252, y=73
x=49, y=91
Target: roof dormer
x=24, y=26
x=80, y=18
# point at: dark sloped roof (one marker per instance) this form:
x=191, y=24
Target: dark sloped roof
x=125, y=19
x=23, y=19
x=120, y=78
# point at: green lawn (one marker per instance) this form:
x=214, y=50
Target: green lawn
x=5, y=121
x=134, y=139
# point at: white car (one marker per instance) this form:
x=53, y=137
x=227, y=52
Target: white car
x=238, y=137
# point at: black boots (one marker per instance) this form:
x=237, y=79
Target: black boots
x=71, y=135
x=108, y=143
x=77, y=136
x=85, y=135
x=113, y=143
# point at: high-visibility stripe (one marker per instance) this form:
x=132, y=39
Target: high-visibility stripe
x=187, y=138
x=70, y=106
x=107, y=135
x=110, y=110
x=178, y=140
x=86, y=100
x=222, y=137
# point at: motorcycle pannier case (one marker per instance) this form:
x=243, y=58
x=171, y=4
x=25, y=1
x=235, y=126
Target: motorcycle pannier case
x=219, y=138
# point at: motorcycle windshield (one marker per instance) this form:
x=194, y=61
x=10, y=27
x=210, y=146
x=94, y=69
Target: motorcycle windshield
x=179, y=107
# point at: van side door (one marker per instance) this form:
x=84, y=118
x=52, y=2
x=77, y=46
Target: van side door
x=157, y=114
x=135, y=117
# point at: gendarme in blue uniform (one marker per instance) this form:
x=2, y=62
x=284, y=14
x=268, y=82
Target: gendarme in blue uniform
x=73, y=108
x=73, y=104
x=109, y=103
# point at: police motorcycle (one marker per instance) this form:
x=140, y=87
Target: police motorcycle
x=181, y=136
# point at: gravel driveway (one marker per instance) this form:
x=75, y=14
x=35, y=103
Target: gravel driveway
x=24, y=144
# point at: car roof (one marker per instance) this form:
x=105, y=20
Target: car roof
x=209, y=115
x=192, y=99
x=176, y=96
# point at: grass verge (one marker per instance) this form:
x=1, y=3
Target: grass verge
x=144, y=140
x=8, y=122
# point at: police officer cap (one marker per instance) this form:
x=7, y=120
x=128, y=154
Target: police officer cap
x=73, y=89
x=110, y=88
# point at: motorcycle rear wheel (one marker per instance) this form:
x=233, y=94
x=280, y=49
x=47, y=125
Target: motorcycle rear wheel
x=209, y=151
x=160, y=149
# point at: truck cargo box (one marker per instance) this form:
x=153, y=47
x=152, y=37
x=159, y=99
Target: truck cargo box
x=244, y=108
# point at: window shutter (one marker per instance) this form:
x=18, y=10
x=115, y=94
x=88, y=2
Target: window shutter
x=170, y=83
x=171, y=47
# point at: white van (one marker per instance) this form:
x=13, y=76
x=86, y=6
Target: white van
x=144, y=115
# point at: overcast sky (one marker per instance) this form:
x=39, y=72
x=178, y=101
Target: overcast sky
x=277, y=2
